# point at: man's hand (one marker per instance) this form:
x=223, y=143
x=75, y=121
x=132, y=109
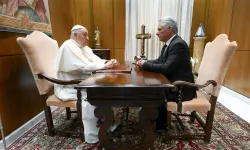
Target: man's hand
x=140, y=63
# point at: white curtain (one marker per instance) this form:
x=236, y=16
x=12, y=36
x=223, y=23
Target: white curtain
x=148, y=12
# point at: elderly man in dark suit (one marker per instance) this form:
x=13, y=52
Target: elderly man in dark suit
x=173, y=63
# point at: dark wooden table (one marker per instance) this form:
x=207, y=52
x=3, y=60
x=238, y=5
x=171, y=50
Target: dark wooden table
x=126, y=86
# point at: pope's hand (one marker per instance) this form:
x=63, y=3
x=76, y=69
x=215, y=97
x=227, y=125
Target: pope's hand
x=114, y=61
x=109, y=64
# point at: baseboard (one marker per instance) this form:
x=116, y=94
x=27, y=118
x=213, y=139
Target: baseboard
x=237, y=103
x=24, y=128
x=237, y=95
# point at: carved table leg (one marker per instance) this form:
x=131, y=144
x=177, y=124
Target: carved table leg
x=147, y=114
x=107, y=113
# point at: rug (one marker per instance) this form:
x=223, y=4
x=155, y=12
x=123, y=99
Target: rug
x=229, y=132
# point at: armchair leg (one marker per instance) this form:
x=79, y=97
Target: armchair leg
x=210, y=119
x=49, y=120
x=79, y=111
x=68, y=113
x=169, y=115
x=209, y=125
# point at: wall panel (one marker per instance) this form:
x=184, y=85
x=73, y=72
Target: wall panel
x=8, y=44
x=119, y=29
x=240, y=31
x=199, y=13
x=119, y=54
x=219, y=18
x=103, y=19
x=19, y=97
x=62, y=16
x=238, y=74
x=119, y=23
x=84, y=16
x=233, y=18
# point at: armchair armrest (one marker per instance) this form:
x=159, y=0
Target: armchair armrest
x=178, y=86
x=197, y=86
x=62, y=82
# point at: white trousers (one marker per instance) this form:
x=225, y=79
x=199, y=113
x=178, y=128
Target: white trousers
x=89, y=122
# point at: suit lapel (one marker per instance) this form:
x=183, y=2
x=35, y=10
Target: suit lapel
x=164, y=51
x=165, y=54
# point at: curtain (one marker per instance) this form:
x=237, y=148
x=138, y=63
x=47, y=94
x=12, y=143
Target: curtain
x=148, y=12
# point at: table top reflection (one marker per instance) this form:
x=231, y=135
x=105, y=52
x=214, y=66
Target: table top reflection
x=125, y=75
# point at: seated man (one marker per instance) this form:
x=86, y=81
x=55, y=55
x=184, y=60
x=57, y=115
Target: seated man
x=173, y=63
x=75, y=60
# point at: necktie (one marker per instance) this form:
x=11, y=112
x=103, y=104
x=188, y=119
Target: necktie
x=162, y=53
x=163, y=49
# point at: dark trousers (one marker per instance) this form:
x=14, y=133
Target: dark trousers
x=188, y=94
x=162, y=118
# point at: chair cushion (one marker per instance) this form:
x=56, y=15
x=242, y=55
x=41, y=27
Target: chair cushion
x=200, y=104
x=40, y=51
x=54, y=101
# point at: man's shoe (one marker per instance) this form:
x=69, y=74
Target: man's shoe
x=160, y=127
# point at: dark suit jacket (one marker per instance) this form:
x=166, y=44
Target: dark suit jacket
x=175, y=65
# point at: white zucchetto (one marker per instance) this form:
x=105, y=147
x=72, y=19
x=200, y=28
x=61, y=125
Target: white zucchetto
x=77, y=27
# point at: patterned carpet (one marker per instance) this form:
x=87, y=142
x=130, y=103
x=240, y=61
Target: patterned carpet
x=229, y=132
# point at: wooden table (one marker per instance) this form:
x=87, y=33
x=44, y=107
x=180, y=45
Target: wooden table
x=126, y=86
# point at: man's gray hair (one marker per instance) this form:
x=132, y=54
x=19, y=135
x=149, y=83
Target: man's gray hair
x=168, y=21
x=73, y=32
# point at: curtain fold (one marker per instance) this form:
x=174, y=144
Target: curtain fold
x=148, y=12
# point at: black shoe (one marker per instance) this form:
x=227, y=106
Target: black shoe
x=117, y=132
x=160, y=127
x=160, y=132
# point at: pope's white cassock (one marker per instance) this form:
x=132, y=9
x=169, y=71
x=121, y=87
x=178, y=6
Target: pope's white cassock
x=76, y=62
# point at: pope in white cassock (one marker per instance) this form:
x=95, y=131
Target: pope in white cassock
x=75, y=60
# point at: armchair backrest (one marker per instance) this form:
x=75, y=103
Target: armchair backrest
x=216, y=59
x=40, y=51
